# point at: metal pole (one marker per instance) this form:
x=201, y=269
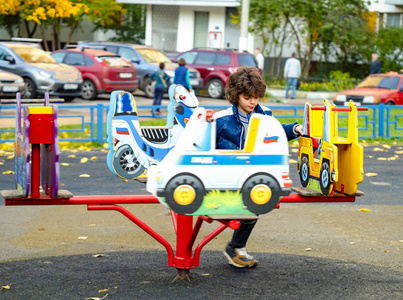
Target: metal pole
x=243, y=39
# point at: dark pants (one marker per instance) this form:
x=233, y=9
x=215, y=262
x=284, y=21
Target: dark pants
x=158, y=95
x=241, y=235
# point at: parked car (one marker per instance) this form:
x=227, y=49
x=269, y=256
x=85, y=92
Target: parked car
x=375, y=89
x=102, y=71
x=215, y=66
x=10, y=84
x=146, y=60
x=41, y=73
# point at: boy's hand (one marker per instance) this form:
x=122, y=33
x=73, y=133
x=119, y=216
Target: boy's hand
x=298, y=129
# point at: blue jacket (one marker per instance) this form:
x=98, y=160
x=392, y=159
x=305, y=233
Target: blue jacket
x=231, y=133
x=158, y=77
x=182, y=77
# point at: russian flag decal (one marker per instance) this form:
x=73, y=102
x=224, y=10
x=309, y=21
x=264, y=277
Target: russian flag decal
x=270, y=139
x=123, y=131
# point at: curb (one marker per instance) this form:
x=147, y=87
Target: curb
x=303, y=94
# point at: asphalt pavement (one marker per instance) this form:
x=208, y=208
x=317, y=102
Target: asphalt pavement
x=305, y=251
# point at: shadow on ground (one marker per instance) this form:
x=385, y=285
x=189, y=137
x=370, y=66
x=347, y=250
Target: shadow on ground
x=145, y=275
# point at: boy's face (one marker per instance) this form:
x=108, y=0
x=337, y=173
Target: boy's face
x=247, y=103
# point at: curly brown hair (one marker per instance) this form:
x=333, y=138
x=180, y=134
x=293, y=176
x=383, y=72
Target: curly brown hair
x=247, y=81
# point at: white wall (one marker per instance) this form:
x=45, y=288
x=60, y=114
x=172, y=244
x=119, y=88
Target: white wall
x=186, y=25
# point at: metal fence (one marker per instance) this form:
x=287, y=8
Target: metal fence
x=76, y=120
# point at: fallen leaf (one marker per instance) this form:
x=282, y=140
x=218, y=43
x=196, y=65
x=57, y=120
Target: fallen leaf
x=11, y=157
x=386, y=146
x=371, y=174
x=71, y=156
x=83, y=237
x=8, y=172
x=1, y=163
x=125, y=180
x=206, y=274
x=399, y=152
x=83, y=160
x=62, y=184
x=381, y=158
x=92, y=224
x=294, y=150
x=96, y=298
x=379, y=149
x=365, y=210
x=105, y=145
x=370, y=156
x=85, y=175
x=42, y=229
x=292, y=161
x=64, y=164
x=103, y=291
x=392, y=158
x=401, y=241
x=5, y=287
x=308, y=249
x=387, y=251
x=93, y=158
x=99, y=255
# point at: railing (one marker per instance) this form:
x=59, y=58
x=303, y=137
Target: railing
x=380, y=120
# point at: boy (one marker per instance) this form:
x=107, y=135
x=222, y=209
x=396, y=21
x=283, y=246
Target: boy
x=244, y=89
x=160, y=77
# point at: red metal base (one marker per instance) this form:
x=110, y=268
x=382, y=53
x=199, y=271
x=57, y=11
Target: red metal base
x=186, y=232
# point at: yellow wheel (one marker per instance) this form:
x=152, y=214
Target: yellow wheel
x=260, y=194
x=184, y=194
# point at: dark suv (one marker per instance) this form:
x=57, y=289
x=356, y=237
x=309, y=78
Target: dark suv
x=146, y=60
x=215, y=65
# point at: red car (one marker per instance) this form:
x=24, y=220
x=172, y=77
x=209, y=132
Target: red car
x=215, y=66
x=375, y=89
x=102, y=71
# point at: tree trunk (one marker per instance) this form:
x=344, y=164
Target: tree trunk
x=72, y=29
x=45, y=42
x=29, y=32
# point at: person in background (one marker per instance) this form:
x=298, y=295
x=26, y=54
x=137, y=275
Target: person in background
x=292, y=71
x=243, y=90
x=182, y=75
x=376, y=65
x=161, y=79
x=259, y=59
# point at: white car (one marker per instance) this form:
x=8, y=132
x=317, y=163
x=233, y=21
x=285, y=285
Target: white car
x=198, y=179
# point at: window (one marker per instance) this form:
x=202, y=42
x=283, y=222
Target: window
x=200, y=36
x=205, y=58
x=74, y=59
x=59, y=56
x=128, y=54
x=393, y=20
x=189, y=57
x=222, y=59
x=3, y=54
x=246, y=60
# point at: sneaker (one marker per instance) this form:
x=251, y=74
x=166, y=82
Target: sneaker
x=238, y=257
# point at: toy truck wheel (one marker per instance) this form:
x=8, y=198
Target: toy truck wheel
x=304, y=171
x=260, y=193
x=125, y=163
x=325, y=178
x=184, y=193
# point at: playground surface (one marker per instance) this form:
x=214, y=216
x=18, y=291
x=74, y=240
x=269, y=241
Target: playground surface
x=305, y=251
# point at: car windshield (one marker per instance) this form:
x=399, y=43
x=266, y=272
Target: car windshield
x=32, y=55
x=153, y=55
x=114, y=61
x=381, y=82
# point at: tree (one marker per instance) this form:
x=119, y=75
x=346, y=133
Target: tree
x=390, y=49
x=9, y=15
x=132, y=28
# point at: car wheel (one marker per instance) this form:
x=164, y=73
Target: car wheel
x=260, y=193
x=390, y=103
x=215, y=88
x=30, y=91
x=89, y=90
x=324, y=179
x=149, y=86
x=184, y=193
x=304, y=171
x=68, y=99
x=126, y=164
